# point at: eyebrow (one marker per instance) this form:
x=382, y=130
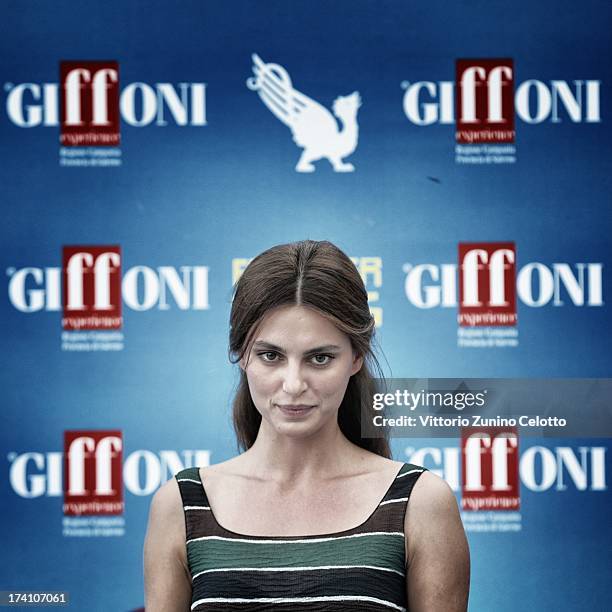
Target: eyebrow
x=317, y=349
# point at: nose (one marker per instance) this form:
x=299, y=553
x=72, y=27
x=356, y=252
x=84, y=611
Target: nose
x=293, y=380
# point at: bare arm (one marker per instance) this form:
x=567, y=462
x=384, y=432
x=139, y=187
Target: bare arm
x=438, y=576
x=166, y=573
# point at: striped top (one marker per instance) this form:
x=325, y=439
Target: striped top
x=358, y=570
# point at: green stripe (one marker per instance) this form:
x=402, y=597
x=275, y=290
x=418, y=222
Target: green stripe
x=367, y=549
x=192, y=472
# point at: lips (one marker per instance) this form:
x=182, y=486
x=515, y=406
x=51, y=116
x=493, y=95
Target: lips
x=295, y=409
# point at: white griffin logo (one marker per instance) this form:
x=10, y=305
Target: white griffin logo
x=313, y=127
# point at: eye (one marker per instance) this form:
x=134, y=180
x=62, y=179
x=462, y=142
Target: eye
x=327, y=359
x=266, y=356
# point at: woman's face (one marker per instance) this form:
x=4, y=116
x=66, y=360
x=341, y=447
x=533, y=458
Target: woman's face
x=298, y=369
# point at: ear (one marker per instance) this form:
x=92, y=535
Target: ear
x=357, y=363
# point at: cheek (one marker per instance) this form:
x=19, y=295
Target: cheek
x=261, y=379
x=333, y=383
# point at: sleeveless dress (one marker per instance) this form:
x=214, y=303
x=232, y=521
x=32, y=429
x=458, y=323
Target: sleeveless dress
x=357, y=570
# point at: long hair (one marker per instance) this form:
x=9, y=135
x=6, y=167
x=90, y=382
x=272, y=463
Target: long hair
x=318, y=275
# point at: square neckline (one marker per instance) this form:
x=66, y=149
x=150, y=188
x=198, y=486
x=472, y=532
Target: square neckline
x=299, y=537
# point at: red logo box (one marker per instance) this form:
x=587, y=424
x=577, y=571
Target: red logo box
x=89, y=104
x=487, y=284
x=490, y=468
x=484, y=101
x=92, y=473
x=91, y=293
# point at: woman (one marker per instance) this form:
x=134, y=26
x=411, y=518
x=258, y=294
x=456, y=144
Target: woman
x=311, y=516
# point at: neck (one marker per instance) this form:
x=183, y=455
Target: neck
x=291, y=460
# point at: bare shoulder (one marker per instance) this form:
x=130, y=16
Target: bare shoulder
x=430, y=497
x=376, y=464
x=231, y=467
x=438, y=559
x=166, y=515
x=168, y=497
x=166, y=572
x=390, y=468
x=432, y=511
x=391, y=464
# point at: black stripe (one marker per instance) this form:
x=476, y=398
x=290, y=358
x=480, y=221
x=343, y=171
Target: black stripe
x=314, y=606
x=192, y=493
x=385, y=585
x=402, y=485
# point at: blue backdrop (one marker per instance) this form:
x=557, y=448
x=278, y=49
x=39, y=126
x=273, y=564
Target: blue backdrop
x=207, y=197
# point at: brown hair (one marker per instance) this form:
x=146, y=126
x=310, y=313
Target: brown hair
x=316, y=274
